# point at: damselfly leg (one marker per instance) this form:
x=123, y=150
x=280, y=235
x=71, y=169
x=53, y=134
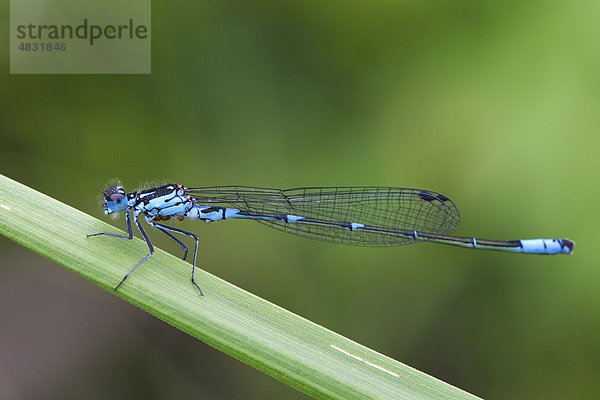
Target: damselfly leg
x=164, y=228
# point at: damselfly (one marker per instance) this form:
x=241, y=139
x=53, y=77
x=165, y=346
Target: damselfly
x=361, y=216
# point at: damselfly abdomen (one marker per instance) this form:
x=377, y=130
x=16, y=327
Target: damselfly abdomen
x=361, y=216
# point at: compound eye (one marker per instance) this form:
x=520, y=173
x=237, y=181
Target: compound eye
x=115, y=197
x=114, y=193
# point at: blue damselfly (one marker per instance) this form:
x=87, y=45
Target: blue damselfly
x=361, y=216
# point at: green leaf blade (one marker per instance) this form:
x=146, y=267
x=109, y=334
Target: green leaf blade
x=290, y=348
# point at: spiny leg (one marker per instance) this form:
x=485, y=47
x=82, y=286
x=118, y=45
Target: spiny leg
x=150, y=247
x=179, y=242
x=188, y=234
x=129, y=229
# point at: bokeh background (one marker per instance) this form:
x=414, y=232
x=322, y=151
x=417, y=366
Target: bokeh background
x=495, y=104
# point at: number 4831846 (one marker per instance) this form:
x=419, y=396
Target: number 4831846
x=24, y=46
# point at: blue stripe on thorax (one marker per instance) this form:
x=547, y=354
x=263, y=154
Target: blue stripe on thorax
x=170, y=200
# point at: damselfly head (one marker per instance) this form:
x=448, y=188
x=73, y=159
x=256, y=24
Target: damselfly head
x=115, y=200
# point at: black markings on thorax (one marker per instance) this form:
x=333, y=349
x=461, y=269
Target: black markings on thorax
x=169, y=192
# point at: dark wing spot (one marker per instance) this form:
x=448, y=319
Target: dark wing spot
x=427, y=196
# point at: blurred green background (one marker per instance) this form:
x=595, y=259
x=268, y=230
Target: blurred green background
x=495, y=104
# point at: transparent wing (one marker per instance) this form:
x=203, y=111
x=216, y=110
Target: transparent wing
x=389, y=214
